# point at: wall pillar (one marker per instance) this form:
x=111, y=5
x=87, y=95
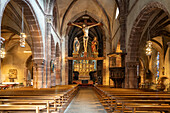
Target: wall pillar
x=57, y=71
x=63, y=61
x=53, y=78
x=34, y=76
x=142, y=74
x=48, y=50
x=131, y=75
x=38, y=70
x=167, y=71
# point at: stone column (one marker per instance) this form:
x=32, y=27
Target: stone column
x=131, y=75
x=26, y=76
x=167, y=70
x=38, y=73
x=57, y=71
x=34, y=76
x=122, y=22
x=53, y=78
x=48, y=49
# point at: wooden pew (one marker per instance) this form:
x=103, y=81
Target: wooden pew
x=34, y=97
x=133, y=99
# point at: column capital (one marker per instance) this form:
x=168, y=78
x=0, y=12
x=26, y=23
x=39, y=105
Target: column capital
x=168, y=43
x=131, y=65
x=49, y=18
x=38, y=61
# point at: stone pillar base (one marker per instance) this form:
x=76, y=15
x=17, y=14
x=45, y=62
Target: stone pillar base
x=95, y=54
x=85, y=54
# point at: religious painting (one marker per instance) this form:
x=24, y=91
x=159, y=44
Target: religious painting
x=12, y=73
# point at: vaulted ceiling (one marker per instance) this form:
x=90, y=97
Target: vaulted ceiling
x=158, y=31
x=70, y=10
x=11, y=25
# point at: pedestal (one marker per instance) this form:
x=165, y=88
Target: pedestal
x=85, y=54
x=95, y=54
x=11, y=79
x=75, y=55
x=84, y=77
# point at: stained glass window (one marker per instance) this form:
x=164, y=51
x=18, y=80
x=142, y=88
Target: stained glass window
x=157, y=66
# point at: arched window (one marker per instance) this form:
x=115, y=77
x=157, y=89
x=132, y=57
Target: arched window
x=117, y=13
x=157, y=66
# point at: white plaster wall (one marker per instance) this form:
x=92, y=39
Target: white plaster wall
x=15, y=59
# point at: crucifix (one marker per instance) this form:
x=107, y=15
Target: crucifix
x=85, y=28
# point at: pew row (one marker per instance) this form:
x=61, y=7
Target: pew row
x=119, y=100
x=46, y=100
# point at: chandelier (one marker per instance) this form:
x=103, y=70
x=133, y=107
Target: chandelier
x=22, y=34
x=148, y=46
x=2, y=50
x=2, y=53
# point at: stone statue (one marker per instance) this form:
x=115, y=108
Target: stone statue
x=94, y=45
x=76, y=45
x=85, y=30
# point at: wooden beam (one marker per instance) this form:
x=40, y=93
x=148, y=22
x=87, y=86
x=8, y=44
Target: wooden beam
x=85, y=58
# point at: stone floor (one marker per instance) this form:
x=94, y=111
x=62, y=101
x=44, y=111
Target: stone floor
x=85, y=101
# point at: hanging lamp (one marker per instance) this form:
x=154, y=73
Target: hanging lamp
x=22, y=34
x=148, y=45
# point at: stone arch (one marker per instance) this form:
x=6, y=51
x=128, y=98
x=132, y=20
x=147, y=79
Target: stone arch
x=101, y=64
x=134, y=39
x=34, y=28
x=137, y=29
x=36, y=35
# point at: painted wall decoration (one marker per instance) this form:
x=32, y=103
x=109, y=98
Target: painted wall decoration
x=12, y=73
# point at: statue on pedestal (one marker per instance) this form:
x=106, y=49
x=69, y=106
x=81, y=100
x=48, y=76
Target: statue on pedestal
x=76, y=47
x=94, y=47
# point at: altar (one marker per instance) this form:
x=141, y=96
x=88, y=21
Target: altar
x=84, y=67
x=84, y=55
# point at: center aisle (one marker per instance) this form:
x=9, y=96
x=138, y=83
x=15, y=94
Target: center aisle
x=85, y=101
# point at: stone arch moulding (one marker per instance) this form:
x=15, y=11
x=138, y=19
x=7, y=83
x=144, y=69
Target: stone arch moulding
x=34, y=28
x=138, y=27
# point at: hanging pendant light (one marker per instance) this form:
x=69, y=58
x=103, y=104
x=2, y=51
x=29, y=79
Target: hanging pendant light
x=22, y=34
x=2, y=50
x=2, y=53
x=148, y=45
